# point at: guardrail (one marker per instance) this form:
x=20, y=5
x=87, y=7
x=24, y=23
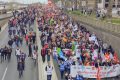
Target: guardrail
x=5, y=16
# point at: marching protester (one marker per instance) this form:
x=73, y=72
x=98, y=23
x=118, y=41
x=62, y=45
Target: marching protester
x=71, y=44
x=20, y=68
x=62, y=69
x=9, y=54
x=2, y=54
x=5, y=52
x=17, y=53
x=34, y=56
x=43, y=54
x=79, y=77
x=23, y=57
x=30, y=50
x=49, y=70
x=35, y=47
x=20, y=30
x=10, y=42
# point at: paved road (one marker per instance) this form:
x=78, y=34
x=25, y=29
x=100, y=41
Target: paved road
x=8, y=71
x=5, y=15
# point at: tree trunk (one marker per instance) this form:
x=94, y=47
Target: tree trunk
x=86, y=4
x=109, y=10
x=96, y=6
x=62, y=2
x=80, y=4
x=75, y=4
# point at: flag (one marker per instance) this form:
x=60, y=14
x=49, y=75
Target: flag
x=98, y=74
x=58, y=51
x=73, y=46
x=62, y=56
x=116, y=57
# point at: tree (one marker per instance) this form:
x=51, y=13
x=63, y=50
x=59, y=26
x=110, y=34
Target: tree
x=86, y=4
x=62, y=2
x=75, y=4
x=109, y=9
x=80, y=4
x=96, y=5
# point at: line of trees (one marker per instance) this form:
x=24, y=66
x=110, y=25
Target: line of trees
x=78, y=4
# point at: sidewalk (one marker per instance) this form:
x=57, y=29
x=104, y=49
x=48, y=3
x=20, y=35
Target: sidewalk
x=41, y=66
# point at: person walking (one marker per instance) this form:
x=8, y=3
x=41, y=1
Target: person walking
x=26, y=39
x=79, y=77
x=20, y=68
x=9, y=53
x=21, y=40
x=34, y=56
x=62, y=69
x=30, y=49
x=35, y=47
x=5, y=52
x=48, y=54
x=34, y=38
x=10, y=42
x=17, y=53
x=23, y=57
x=43, y=54
x=49, y=70
x=2, y=54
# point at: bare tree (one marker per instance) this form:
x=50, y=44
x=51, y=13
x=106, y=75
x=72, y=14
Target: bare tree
x=86, y=4
x=80, y=4
x=109, y=9
x=75, y=4
x=96, y=5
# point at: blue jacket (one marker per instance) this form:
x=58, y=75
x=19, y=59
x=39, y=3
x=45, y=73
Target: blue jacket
x=20, y=66
x=62, y=67
x=78, y=77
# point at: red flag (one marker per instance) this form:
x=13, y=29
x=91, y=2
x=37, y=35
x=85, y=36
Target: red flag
x=116, y=57
x=98, y=74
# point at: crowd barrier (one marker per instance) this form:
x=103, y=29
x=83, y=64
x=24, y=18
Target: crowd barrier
x=92, y=72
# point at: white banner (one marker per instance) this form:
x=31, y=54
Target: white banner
x=91, y=71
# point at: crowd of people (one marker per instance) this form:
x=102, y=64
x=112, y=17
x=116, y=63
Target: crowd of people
x=20, y=31
x=70, y=43
x=63, y=38
x=5, y=53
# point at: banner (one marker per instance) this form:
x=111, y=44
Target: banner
x=91, y=71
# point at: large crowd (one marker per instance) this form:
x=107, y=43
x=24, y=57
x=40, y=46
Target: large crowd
x=70, y=43
x=20, y=31
x=63, y=38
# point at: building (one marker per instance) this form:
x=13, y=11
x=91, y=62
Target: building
x=103, y=4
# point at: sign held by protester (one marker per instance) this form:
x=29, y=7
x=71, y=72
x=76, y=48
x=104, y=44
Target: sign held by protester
x=91, y=71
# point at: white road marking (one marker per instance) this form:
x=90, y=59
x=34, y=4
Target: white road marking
x=4, y=73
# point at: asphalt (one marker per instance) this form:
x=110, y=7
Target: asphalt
x=8, y=71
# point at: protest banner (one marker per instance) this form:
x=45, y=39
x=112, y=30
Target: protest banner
x=91, y=71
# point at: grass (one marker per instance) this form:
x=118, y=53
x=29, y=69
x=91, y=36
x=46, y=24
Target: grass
x=93, y=16
x=116, y=20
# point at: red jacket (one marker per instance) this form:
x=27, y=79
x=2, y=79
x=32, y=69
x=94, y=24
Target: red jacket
x=43, y=52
